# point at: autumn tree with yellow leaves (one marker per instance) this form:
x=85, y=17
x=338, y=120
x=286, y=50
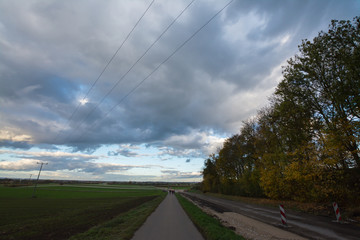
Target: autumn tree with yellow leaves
x=305, y=145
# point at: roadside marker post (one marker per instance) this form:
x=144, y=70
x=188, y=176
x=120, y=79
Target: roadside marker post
x=337, y=212
x=282, y=214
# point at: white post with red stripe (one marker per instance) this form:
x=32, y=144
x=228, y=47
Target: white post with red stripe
x=337, y=212
x=282, y=214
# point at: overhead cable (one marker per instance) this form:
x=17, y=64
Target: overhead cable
x=133, y=65
x=162, y=63
x=107, y=65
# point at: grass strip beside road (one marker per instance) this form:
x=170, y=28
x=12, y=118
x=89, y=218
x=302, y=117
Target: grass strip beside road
x=210, y=227
x=123, y=226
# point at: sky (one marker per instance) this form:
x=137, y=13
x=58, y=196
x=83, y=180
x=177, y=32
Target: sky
x=140, y=90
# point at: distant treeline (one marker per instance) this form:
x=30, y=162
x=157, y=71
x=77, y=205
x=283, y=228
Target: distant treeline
x=305, y=145
x=24, y=181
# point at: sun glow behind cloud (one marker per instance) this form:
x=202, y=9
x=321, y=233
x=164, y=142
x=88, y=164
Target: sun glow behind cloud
x=83, y=101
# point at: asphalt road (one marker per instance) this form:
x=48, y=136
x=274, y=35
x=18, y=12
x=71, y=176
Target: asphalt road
x=168, y=221
x=306, y=225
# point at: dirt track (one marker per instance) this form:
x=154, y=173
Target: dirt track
x=305, y=225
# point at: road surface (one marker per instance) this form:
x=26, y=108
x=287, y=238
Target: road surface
x=168, y=221
x=306, y=225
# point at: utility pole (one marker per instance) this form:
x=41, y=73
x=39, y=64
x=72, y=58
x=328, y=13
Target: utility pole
x=42, y=163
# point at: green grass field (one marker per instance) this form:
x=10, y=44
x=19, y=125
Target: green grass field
x=60, y=212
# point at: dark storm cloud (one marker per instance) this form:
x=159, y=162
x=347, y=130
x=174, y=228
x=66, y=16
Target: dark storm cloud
x=53, y=51
x=15, y=144
x=57, y=161
x=284, y=16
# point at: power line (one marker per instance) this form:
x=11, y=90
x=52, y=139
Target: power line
x=106, y=66
x=163, y=62
x=133, y=65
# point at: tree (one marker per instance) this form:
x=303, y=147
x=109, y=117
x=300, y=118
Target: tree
x=211, y=180
x=319, y=98
x=305, y=145
x=236, y=163
x=325, y=78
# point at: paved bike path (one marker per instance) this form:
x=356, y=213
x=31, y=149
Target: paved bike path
x=168, y=221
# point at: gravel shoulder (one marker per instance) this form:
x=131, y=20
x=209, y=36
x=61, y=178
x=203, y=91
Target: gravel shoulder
x=247, y=227
x=258, y=222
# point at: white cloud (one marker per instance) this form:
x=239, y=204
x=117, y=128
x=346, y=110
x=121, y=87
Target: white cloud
x=14, y=135
x=24, y=164
x=193, y=144
x=170, y=175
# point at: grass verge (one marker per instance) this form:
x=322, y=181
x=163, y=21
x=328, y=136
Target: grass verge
x=210, y=227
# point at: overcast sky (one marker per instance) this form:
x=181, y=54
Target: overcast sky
x=166, y=100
